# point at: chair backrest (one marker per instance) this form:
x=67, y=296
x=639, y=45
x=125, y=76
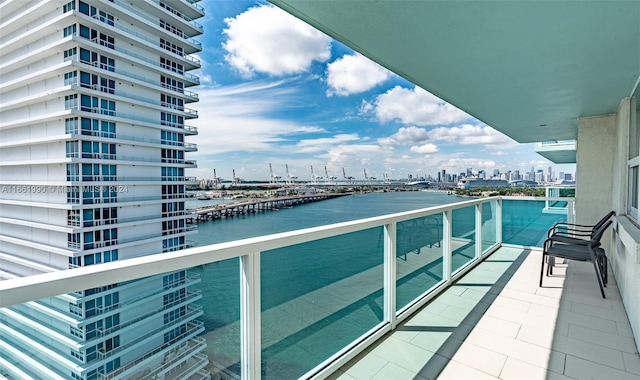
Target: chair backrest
x=597, y=235
x=603, y=220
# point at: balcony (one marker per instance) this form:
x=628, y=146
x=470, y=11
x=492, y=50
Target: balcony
x=448, y=292
x=559, y=152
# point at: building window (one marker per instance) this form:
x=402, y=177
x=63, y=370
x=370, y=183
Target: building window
x=75, y=309
x=172, y=84
x=172, y=102
x=69, y=6
x=172, y=156
x=175, y=314
x=71, y=125
x=165, y=25
x=169, y=46
x=70, y=78
x=174, y=279
x=99, y=217
x=175, y=334
x=69, y=30
x=110, y=366
x=172, y=191
x=72, y=149
x=70, y=53
x=173, y=244
x=95, y=127
x=73, y=218
x=100, y=238
x=78, y=355
x=633, y=163
x=98, y=150
x=71, y=102
x=77, y=331
x=171, y=65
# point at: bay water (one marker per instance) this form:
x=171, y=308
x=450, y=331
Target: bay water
x=316, y=297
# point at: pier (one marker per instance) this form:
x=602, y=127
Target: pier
x=253, y=206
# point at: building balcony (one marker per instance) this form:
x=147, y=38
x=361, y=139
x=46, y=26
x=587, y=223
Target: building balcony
x=559, y=152
x=448, y=292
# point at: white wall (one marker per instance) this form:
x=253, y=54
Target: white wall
x=601, y=187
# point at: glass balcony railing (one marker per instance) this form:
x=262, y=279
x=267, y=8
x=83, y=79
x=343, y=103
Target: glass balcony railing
x=300, y=303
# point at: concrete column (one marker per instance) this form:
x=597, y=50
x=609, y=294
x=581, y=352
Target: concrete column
x=595, y=158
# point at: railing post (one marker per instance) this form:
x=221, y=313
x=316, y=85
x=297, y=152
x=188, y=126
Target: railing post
x=570, y=211
x=390, y=274
x=446, y=245
x=499, y=220
x=478, y=232
x=250, y=326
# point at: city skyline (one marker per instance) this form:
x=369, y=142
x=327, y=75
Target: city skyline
x=275, y=91
x=319, y=175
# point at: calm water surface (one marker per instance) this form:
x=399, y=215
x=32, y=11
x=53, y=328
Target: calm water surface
x=316, y=214
x=316, y=297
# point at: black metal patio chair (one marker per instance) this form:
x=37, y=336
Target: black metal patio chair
x=556, y=247
x=576, y=233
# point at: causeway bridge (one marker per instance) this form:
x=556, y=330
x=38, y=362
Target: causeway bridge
x=253, y=206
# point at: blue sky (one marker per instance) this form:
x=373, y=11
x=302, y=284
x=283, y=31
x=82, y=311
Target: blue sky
x=274, y=90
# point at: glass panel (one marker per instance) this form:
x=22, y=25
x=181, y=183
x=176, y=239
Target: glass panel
x=634, y=127
x=418, y=257
x=526, y=222
x=220, y=287
x=317, y=297
x=489, y=225
x=633, y=191
x=463, y=237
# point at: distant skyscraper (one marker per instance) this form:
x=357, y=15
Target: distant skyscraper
x=93, y=124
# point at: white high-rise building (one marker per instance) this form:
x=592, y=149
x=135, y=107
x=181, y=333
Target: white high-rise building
x=93, y=129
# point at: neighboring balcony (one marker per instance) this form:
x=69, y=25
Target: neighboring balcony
x=449, y=291
x=558, y=151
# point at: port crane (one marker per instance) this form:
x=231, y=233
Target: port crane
x=347, y=179
x=386, y=179
x=236, y=181
x=330, y=179
x=272, y=177
x=316, y=178
x=216, y=180
x=367, y=178
x=291, y=180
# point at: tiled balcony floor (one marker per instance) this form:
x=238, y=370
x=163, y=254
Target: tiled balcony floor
x=496, y=323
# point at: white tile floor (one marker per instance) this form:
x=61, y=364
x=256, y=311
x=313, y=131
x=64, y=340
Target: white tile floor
x=496, y=323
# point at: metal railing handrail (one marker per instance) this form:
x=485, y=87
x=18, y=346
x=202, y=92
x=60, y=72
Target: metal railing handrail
x=55, y=283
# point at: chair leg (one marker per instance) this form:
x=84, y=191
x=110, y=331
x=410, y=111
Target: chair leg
x=542, y=268
x=599, y=276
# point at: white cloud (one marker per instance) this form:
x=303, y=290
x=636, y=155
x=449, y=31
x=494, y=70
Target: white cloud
x=417, y=107
x=268, y=40
x=353, y=74
x=238, y=118
x=427, y=148
x=405, y=136
x=468, y=134
x=324, y=144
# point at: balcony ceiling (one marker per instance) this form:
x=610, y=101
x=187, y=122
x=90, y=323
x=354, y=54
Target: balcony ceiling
x=526, y=68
